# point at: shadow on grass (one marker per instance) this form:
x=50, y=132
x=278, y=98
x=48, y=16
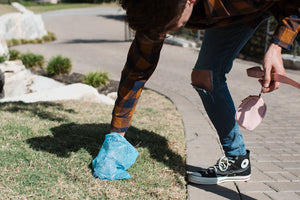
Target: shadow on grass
x=72, y=137
x=37, y=109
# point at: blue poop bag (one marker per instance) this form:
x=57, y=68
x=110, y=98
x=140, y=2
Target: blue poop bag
x=115, y=157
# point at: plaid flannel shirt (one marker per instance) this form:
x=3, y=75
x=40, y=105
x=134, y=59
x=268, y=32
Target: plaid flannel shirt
x=143, y=55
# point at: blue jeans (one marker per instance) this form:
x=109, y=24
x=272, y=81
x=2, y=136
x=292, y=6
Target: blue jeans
x=220, y=47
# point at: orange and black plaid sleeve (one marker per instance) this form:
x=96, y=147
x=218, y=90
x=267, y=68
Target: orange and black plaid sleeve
x=288, y=14
x=212, y=13
x=141, y=62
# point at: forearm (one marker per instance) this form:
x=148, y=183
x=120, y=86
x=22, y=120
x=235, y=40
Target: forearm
x=288, y=15
x=272, y=63
x=141, y=62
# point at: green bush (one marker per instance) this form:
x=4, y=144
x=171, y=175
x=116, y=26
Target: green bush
x=15, y=42
x=24, y=41
x=52, y=36
x=96, y=79
x=47, y=38
x=9, y=43
x=14, y=54
x=31, y=60
x=59, y=65
x=3, y=58
x=39, y=41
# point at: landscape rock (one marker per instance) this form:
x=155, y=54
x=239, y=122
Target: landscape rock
x=3, y=46
x=23, y=25
x=40, y=83
x=17, y=78
x=77, y=91
x=113, y=95
x=22, y=85
x=21, y=8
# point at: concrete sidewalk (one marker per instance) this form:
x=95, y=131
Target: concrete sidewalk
x=93, y=39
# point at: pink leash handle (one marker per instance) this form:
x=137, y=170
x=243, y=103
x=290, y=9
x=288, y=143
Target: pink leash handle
x=257, y=72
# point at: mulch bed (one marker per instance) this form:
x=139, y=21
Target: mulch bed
x=111, y=86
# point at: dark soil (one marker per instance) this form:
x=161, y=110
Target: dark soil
x=111, y=86
x=2, y=81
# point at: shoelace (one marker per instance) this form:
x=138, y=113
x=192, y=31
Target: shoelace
x=222, y=164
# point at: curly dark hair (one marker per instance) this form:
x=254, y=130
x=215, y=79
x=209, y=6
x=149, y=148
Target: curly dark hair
x=151, y=17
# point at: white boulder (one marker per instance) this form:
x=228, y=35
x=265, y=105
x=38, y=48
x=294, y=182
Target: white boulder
x=23, y=25
x=77, y=91
x=21, y=8
x=40, y=83
x=3, y=46
x=17, y=78
x=113, y=95
x=22, y=85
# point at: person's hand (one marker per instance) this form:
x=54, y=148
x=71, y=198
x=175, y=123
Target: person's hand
x=272, y=63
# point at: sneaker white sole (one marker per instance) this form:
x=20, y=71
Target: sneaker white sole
x=198, y=179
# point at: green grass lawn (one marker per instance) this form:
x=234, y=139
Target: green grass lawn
x=38, y=8
x=46, y=151
x=5, y=8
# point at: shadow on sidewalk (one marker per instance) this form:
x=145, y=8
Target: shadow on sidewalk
x=218, y=189
x=120, y=17
x=72, y=137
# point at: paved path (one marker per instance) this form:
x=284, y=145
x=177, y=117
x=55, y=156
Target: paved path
x=93, y=39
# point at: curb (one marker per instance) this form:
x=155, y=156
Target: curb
x=291, y=62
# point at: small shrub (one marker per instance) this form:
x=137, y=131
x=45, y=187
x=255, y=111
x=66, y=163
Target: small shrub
x=59, y=65
x=38, y=41
x=9, y=43
x=3, y=58
x=14, y=54
x=31, y=41
x=24, y=41
x=15, y=42
x=49, y=37
x=31, y=60
x=46, y=38
x=52, y=36
x=96, y=79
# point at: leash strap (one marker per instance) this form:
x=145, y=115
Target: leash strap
x=257, y=72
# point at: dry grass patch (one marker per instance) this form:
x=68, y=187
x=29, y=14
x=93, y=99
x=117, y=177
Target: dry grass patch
x=38, y=8
x=5, y=9
x=47, y=148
